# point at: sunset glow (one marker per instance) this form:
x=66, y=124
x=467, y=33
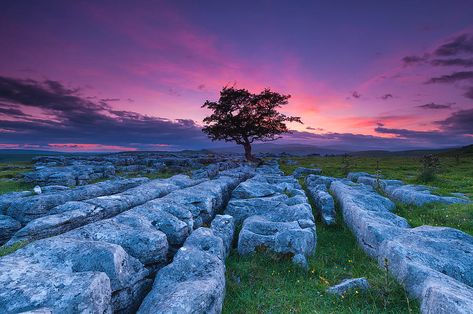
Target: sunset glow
x=113, y=76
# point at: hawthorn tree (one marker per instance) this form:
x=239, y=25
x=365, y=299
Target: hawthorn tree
x=242, y=117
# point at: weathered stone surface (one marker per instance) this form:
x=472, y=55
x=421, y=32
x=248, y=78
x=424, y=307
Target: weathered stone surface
x=409, y=194
x=368, y=215
x=302, y=171
x=240, y=209
x=72, y=215
x=419, y=195
x=426, y=252
x=323, y=202
x=349, y=284
x=26, y=287
x=434, y=264
x=194, y=282
x=8, y=198
x=314, y=180
x=69, y=256
x=275, y=214
x=143, y=241
x=28, y=208
x=8, y=226
x=281, y=237
x=126, y=249
x=77, y=174
x=446, y=297
x=223, y=226
x=73, y=255
x=353, y=176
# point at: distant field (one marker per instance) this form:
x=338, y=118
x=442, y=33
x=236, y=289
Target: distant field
x=454, y=176
x=11, y=170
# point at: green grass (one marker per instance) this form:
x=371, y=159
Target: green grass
x=5, y=250
x=10, y=171
x=454, y=216
x=453, y=177
x=263, y=283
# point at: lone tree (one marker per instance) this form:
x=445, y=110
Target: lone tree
x=242, y=117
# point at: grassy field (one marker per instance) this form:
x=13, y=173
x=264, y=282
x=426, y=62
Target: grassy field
x=454, y=176
x=264, y=284
x=9, y=171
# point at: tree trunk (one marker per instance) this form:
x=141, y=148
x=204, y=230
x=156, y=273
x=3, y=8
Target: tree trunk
x=248, y=155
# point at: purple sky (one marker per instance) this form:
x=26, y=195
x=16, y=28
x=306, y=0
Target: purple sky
x=113, y=75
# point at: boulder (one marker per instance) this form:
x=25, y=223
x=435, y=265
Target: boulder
x=26, y=287
x=349, y=284
x=223, y=226
x=302, y=171
x=28, y=208
x=426, y=252
x=419, y=195
x=8, y=227
x=324, y=203
x=368, y=215
x=280, y=237
x=194, y=282
x=314, y=180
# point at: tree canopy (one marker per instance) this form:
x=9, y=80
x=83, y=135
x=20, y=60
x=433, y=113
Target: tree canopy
x=242, y=117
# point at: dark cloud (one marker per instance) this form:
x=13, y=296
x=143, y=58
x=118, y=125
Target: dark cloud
x=452, y=78
x=459, y=122
x=201, y=86
x=435, y=106
x=455, y=129
x=68, y=117
x=355, y=94
x=461, y=44
x=386, y=96
x=469, y=92
x=110, y=99
x=453, y=62
x=410, y=60
x=12, y=110
x=314, y=129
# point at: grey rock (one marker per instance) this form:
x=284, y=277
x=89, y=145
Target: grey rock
x=422, y=253
x=302, y=171
x=291, y=162
x=253, y=188
x=368, y=215
x=28, y=208
x=353, y=176
x=324, y=203
x=194, y=282
x=446, y=297
x=26, y=287
x=74, y=214
x=37, y=189
x=279, y=237
x=316, y=180
x=223, y=226
x=420, y=195
x=8, y=227
x=301, y=261
x=73, y=255
x=143, y=242
x=8, y=198
x=349, y=284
